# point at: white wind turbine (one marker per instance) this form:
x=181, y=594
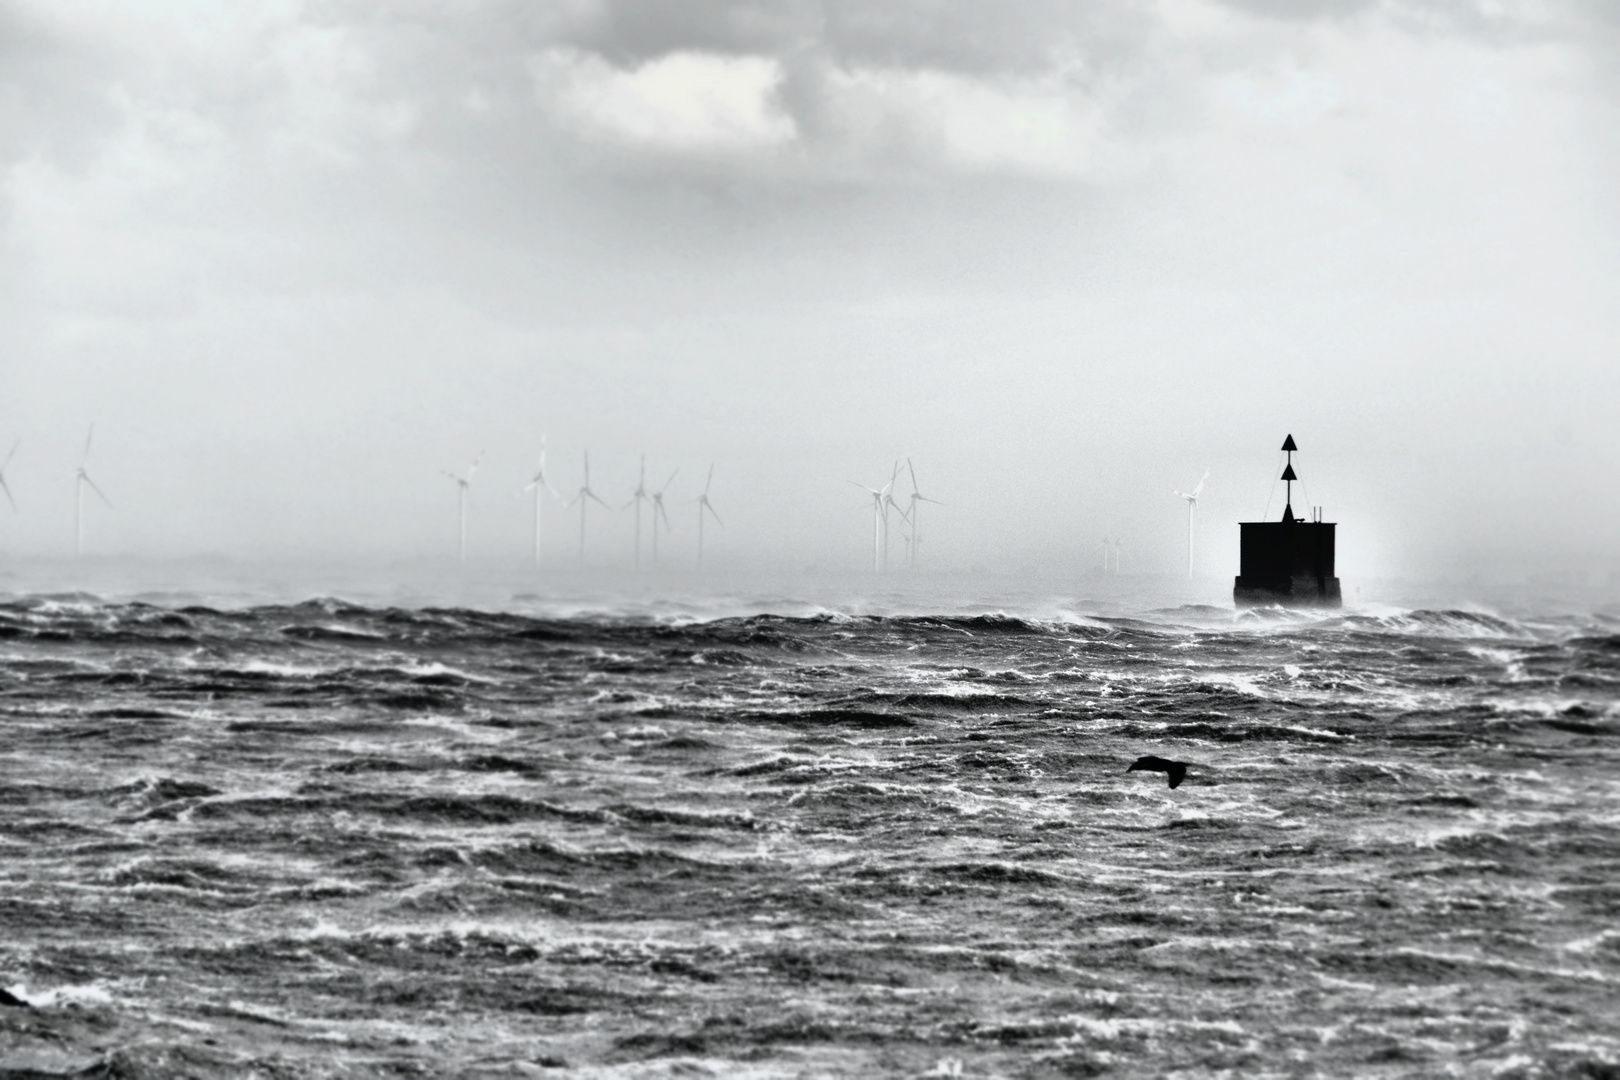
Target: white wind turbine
x=539, y=485
x=3, y=485
x=463, y=484
x=1192, y=504
x=658, y=511
x=881, y=501
x=888, y=502
x=702, y=502
x=81, y=478
x=642, y=495
x=911, y=515
x=583, y=497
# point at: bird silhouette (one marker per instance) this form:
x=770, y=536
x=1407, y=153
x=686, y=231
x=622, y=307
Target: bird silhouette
x=1177, y=770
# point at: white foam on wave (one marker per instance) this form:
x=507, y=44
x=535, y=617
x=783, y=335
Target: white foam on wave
x=95, y=993
x=1589, y=944
x=1109, y=1029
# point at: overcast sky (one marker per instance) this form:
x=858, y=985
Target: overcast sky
x=294, y=259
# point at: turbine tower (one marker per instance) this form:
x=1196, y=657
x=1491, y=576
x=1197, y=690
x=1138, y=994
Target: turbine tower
x=1192, y=504
x=3, y=485
x=911, y=515
x=658, y=511
x=539, y=484
x=583, y=497
x=702, y=505
x=888, y=502
x=463, y=483
x=81, y=478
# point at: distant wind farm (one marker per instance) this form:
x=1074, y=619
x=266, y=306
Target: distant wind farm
x=643, y=542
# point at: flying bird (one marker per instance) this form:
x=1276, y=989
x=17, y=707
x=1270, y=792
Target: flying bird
x=1177, y=770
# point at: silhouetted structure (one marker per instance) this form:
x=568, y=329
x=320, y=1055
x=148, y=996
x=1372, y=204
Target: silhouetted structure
x=1288, y=561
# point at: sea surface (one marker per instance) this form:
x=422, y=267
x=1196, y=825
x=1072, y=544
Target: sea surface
x=330, y=838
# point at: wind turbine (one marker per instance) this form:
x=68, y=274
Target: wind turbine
x=1192, y=504
x=82, y=478
x=583, y=497
x=463, y=483
x=658, y=511
x=702, y=505
x=538, y=484
x=642, y=496
x=881, y=501
x=888, y=501
x=911, y=515
x=3, y=486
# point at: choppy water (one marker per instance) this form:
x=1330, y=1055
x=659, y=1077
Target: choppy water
x=327, y=839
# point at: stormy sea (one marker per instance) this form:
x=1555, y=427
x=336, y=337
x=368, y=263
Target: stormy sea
x=339, y=837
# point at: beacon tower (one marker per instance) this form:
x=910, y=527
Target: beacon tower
x=1288, y=561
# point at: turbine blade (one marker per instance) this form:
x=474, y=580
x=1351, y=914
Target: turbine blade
x=709, y=481
x=662, y=512
x=11, y=455
x=87, y=437
x=598, y=498
x=912, y=469
x=668, y=482
x=712, y=510
x=95, y=489
x=7, y=490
